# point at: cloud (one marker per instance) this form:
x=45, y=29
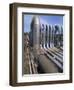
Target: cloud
x=43, y=21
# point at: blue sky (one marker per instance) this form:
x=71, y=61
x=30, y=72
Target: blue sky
x=49, y=19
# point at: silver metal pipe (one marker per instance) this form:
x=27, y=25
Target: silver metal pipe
x=52, y=37
x=47, y=36
x=47, y=65
x=44, y=37
x=35, y=26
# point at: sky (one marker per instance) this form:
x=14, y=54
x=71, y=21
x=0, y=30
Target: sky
x=45, y=19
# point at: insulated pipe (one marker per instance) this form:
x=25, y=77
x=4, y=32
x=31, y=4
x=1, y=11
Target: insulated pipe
x=61, y=43
x=52, y=37
x=35, y=26
x=42, y=35
x=57, y=35
x=44, y=38
x=40, y=38
x=47, y=36
x=46, y=29
x=47, y=65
